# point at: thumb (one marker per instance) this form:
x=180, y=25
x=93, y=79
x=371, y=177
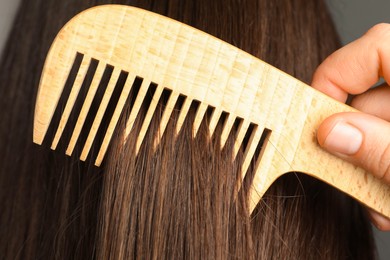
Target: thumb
x=360, y=138
x=364, y=140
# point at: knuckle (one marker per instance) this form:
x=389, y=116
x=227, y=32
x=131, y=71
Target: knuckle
x=380, y=30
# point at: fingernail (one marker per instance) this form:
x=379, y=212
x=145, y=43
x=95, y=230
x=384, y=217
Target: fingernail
x=344, y=138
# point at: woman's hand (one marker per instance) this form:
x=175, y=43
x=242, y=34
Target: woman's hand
x=361, y=138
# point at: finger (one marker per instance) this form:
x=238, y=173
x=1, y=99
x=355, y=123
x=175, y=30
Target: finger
x=360, y=138
x=381, y=222
x=357, y=66
x=374, y=102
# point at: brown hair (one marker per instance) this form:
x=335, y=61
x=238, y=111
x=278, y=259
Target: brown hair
x=178, y=201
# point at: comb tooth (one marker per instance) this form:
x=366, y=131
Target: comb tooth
x=87, y=103
x=261, y=180
x=54, y=90
x=85, y=63
x=255, y=149
x=251, y=148
x=183, y=113
x=229, y=122
x=243, y=128
x=170, y=106
x=214, y=120
x=148, y=117
x=99, y=115
x=199, y=117
x=115, y=118
x=136, y=107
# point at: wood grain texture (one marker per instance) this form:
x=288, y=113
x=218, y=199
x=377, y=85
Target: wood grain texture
x=214, y=73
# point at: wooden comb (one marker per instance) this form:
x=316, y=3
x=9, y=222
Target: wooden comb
x=271, y=107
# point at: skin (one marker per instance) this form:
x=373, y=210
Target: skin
x=354, y=69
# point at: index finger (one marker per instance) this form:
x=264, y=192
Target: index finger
x=357, y=66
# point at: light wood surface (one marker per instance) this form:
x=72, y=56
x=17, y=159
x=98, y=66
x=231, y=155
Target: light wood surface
x=283, y=112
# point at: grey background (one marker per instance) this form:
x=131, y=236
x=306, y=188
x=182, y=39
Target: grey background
x=352, y=17
x=7, y=12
